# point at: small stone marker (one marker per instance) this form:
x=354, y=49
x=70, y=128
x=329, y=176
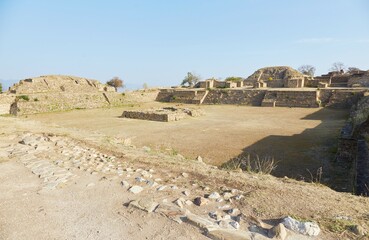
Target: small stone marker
x=135, y=189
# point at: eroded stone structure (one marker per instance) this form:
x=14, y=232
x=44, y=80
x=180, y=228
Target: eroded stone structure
x=167, y=114
x=280, y=86
x=340, y=79
x=277, y=77
x=57, y=93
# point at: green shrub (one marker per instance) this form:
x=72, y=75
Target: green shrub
x=234, y=79
x=36, y=100
x=24, y=97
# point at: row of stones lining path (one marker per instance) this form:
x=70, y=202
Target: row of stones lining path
x=57, y=159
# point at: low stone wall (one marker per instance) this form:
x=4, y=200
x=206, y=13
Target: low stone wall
x=46, y=102
x=154, y=116
x=251, y=97
x=162, y=114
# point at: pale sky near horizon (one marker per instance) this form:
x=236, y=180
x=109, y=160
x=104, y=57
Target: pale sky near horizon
x=158, y=42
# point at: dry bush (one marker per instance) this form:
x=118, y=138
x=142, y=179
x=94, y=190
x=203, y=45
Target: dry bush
x=256, y=164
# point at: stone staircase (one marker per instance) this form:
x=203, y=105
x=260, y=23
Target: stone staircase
x=200, y=97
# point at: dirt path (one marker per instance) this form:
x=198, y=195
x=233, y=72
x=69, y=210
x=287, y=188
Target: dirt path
x=83, y=207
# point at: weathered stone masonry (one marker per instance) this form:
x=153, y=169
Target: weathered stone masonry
x=57, y=93
x=336, y=98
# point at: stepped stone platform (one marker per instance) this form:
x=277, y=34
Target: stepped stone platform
x=168, y=114
x=57, y=93
x=342, y=98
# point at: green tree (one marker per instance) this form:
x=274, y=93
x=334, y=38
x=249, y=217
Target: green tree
x=116, y=82
x=234, y=79
x=1, y=88
x=145, y=86
x=307, y=70
x=191, y=79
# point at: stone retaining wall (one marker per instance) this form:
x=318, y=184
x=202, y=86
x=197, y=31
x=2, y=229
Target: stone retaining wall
x=359, y=81
x=46, y=102
x=351, y=164
x=242, y=97
x=306, y=99
x=335, y=98
x=175, y=95
x=5, y=101
x=340, y=98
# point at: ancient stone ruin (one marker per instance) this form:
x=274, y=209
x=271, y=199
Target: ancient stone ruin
x=57, y=93
x=167, y=114
x=276, y=87
x=277, y=77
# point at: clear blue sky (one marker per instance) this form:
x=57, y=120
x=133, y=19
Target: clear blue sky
x=159, y=41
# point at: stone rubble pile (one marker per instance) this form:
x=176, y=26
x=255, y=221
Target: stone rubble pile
x=57, y=160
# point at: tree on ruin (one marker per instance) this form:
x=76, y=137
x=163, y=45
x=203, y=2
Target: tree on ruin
x=116, y=82
x=191, y=79
x=353, y=69
x=307, y=70
x=338, y=67
x=234, y=79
